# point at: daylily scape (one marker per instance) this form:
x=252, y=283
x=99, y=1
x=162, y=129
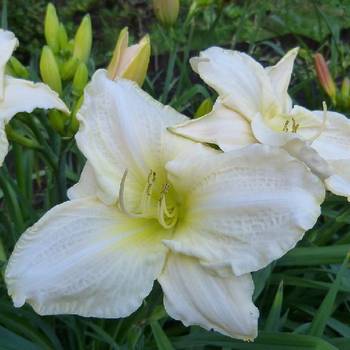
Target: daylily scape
x=151, y=205
x=254, y=107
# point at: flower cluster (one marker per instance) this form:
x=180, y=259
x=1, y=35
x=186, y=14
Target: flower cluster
x=156, y=203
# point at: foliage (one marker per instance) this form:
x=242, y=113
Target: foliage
x=304, y=298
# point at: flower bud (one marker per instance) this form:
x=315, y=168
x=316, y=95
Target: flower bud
x=130, y=62
x=49, y=70
x=62, y=37
x=69, y=68
x=324, y=76
x=18, y=68
x=166, y=11
x=204, y=108
x=74, y=122
x=80, y=80
x=83, y=40
x=57, y=120
x=51, y=27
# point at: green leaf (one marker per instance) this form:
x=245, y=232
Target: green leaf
x=273, y=319
x=315, y=256
x=12, y=341
x=325, y=311
x=265, y=341
x=162, y=341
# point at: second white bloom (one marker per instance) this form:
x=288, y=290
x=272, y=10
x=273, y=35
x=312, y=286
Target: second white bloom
x=254, y=107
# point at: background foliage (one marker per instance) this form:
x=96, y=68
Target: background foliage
x=304, y=298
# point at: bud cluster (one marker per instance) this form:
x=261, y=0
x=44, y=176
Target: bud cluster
x=64, y=65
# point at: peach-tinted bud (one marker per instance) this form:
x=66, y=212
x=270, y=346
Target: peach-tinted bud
x=130, y=62
x=324, y=76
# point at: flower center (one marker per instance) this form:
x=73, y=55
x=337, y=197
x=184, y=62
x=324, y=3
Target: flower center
x=157, y=201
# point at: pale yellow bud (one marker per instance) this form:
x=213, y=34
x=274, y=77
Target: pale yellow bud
x=51, y=27
x=130, y=62
x=69, y=68
x=62, y=37
x=166, y=11
x=83, y=40
x=49, y=70
x=80, y=80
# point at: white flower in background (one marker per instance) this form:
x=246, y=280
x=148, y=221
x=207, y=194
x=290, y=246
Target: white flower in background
x=18, y=95
x=154, y=206
x=254, y=106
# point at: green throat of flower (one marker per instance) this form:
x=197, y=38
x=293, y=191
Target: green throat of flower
x=158, y=201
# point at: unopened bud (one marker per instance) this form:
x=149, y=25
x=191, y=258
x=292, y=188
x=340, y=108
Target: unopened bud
x=57, y=120
x=74, y=122
x=324, y=76
x=18, y=68
x=130, y=62
x=80, y=80
x=51, y=26
x=83, y=40
x=49, y=70
x=62, y=37
x=204, y=108
x=69, y=68
x=166, y=11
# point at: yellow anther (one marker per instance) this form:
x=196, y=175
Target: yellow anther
x=295, y=126
x=285, y=127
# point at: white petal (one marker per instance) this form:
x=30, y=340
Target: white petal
x=4, y=145
x=196, y=296
x=86, y=258
x=304, y=152
x=339, y=181
x=222, y=127
x=280, y=75
x=333, y=145
x=122, y=127
x=334, y=141
x=24, y=96
x=87, y=185
x=8, y=43
x=241, y=82
x=245, y=208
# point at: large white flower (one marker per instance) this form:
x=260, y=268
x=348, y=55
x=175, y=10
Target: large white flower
x=254, y=106
x=18, y=95
x=154, y=206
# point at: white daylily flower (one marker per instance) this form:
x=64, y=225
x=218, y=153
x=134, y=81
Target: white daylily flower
x=254, y=106
x=18, y=95
x=151, y=205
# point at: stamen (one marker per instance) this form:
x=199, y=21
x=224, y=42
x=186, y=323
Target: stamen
x=285, y=127
x=295, y=126
x=163, y=212
x=323, y=125
x=121, y=200
x=147, y=193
